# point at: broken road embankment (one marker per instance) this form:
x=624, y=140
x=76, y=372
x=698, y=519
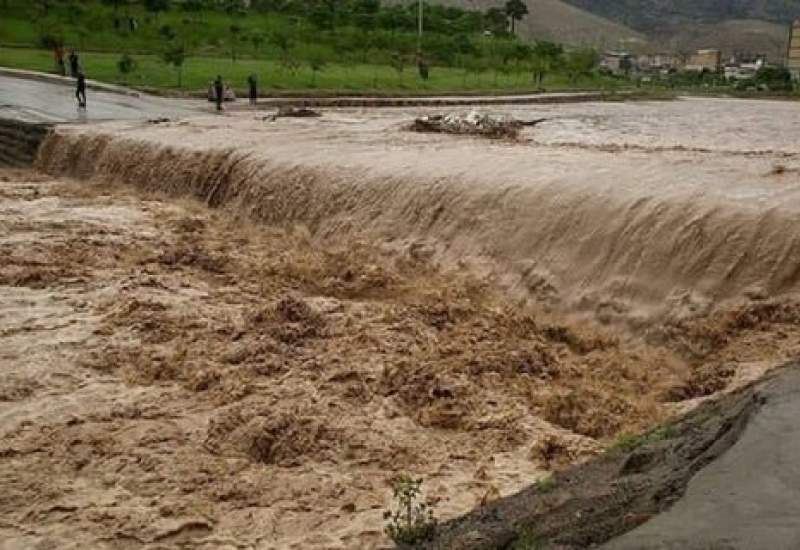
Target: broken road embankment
x=724, y=476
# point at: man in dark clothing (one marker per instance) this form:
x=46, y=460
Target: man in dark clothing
x=74, y=64
x=219, y=92
x=80, y=91
x=252, y=83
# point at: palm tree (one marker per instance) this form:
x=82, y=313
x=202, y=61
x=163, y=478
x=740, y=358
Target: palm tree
x=516, y=11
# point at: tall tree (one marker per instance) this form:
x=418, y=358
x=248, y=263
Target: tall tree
x=579, y=63
x=516, y=11
x=496, y=21
x=156, y=6
x=235, y=31
x=365, y=12
x=175, y=56
x=115, y=4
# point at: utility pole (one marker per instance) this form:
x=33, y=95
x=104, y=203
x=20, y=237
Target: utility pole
x=420, y=27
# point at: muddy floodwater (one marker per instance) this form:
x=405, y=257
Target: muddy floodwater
x=236, y=332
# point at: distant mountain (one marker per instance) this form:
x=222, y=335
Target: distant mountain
x=755, y=26
x=650, y=15
x=561, y=22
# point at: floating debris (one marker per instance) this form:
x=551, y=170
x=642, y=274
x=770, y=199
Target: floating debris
x=293, y=112
x=473, y=123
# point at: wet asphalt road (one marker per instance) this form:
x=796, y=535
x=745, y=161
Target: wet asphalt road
x=749, y=498
x=36, y=101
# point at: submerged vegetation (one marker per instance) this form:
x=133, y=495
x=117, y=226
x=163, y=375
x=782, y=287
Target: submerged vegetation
x=412, y=520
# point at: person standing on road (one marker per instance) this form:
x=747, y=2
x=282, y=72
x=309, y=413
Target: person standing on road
x=219, y=92
x=80, y=91
x=74, y=64
x=252, y=84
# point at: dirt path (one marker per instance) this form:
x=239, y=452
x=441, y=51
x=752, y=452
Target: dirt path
x=173, y=377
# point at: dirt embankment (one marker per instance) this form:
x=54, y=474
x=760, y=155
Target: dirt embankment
x=173, y=376
x=587, y=505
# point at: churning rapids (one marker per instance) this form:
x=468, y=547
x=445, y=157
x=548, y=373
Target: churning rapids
x=234, y=332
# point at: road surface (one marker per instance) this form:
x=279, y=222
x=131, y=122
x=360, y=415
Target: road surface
x=36, y=101
x=41, y=97
x=747, y=499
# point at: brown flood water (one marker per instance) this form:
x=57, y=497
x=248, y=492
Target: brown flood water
x=628, y=204
x=362, y=302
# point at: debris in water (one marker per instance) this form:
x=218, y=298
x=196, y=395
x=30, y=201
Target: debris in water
x=473, y=123
x=293, y=112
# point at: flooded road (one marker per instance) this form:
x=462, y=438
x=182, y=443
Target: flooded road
x=35, y=101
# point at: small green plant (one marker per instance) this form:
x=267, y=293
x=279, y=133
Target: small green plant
x=412, y=519
x=630, y=442
x=126, y=65
x=527, y=540
x=545, y=485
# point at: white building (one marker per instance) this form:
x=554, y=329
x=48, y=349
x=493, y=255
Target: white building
x=742, y=69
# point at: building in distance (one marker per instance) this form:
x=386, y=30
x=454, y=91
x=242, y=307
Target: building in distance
x=663, y=63
x=793, y=50
x=618, y=63
x=743, y=67
x=705, y=61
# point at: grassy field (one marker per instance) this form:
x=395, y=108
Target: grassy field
x=153, y=74
x=280, y=48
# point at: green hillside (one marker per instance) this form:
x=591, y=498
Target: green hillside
x=350, y=46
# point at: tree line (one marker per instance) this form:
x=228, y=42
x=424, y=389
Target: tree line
x=314, y=33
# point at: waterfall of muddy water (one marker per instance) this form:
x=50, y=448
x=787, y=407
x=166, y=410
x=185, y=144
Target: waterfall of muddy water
x=618, y=207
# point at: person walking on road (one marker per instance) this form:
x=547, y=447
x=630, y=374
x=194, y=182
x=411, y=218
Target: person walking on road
x=74, y=64
x=219, y=92
x=252, y=84
x=80, y=91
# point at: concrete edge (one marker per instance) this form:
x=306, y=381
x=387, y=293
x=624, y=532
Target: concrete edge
x=440, y=101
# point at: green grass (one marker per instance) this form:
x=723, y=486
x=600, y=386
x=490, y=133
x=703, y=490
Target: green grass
x=153, y=73
x=630, y=442
x=526, y=540
x=546, y=485
x=355, y=61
